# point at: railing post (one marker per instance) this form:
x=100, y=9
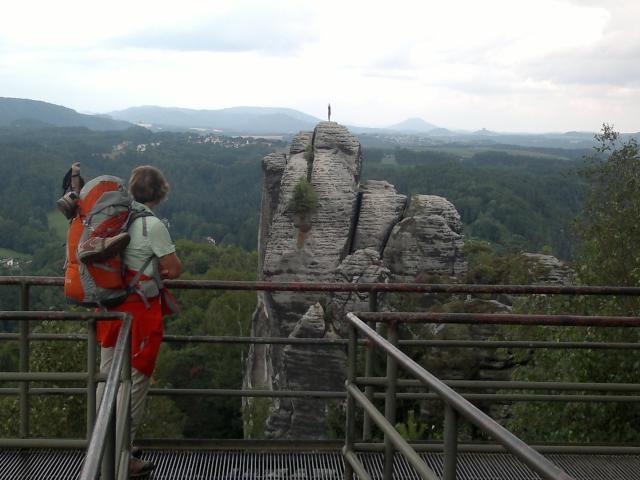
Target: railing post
x=390, y=402
x=91, y=376
x=450, y=442
x=109, y=456
x=368, y=371
x=126, y=434
x=24, y=362
x=352, y=356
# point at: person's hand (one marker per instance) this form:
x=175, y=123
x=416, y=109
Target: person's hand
x=75, y=168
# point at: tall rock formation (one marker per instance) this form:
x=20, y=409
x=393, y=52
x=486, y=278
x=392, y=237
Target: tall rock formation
x=357, y=233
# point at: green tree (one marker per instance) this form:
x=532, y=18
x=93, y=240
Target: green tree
x=608, y=255
x=610, y=226
x=304, y=200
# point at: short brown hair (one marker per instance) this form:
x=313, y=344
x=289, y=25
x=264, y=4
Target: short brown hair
x=147, y=184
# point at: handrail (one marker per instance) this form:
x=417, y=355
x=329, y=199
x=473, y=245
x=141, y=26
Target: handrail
x=341, y=342
x=21, y=315
x=357, y=287
x=517, y=447
x=501, y=319
x=106, y=413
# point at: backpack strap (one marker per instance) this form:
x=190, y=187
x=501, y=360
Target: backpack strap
x=134, y=215
x=152, y=260
x=133, y=284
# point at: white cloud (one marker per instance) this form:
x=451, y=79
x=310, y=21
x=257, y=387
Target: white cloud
x=504, y=64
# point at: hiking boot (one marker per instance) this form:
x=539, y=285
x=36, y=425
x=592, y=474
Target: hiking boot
x=101, y=248
x=67, y=204
x=140, y=468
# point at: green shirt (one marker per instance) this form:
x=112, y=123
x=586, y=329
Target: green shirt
x=157, y=242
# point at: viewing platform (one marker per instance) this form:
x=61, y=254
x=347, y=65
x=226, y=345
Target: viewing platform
x=372, y=446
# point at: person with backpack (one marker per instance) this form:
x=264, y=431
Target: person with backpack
x=148, y=257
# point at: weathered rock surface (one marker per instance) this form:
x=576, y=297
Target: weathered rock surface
x=304, y=418
x=427, y=241
x=362, y=266
x=272, y=167
x=381, y=208
x=547, y=269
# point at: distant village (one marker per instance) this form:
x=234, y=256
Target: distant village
x=207, y=138
x=11, y=263
x=236, y=142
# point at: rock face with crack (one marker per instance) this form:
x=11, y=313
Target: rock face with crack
x=297, y=418
x=380, y=209
x=358, y=233
x=427, y=241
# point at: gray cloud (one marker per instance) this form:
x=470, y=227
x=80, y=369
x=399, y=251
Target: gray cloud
x=260, y=29
x=611, y=61
x=607, y=65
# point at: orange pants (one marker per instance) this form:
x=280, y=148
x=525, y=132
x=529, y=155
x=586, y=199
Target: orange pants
x=146, y=332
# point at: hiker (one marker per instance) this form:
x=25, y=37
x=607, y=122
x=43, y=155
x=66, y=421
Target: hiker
x=149, y=257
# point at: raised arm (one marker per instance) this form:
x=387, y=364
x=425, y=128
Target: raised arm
x=75, y=177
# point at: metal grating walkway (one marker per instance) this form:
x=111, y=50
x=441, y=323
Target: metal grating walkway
x=38, y=464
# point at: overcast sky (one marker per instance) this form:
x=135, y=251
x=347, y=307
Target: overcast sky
x=507, y=65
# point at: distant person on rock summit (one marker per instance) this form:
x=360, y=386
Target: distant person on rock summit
x=329, y=112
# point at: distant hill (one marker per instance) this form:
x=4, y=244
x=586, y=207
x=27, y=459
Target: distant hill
x=236, y=120
x=416, y=125
x=485, y=133
x=25, y=113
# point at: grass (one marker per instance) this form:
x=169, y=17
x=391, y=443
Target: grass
x=389, y=159
x=6, y=253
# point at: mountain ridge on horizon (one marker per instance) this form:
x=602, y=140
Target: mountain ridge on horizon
x=27, y=113
x=245, y=120
x=242, y=119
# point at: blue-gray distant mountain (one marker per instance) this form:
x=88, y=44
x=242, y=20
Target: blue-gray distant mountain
x=485, y=133
x=236, y=120
x=413, y=125
x=25, y=113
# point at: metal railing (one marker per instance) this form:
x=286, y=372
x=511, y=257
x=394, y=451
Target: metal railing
x=24, y=376
x=455, y=404
x=101, y=429
x=109, y=447
x=368, y=381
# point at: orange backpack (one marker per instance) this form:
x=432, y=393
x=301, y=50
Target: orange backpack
x=104, y=209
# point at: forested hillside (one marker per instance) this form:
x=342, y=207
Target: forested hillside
x=214, y=187
x=520, y=200
x=33, y=114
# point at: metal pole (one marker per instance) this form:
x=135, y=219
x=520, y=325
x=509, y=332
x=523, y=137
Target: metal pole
x=368, y=371
x=126, y=437
x=390, y=402
x=24, y=363
x=450, y=442
x=91, y=376
x=108, y=459
x=352, y=357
